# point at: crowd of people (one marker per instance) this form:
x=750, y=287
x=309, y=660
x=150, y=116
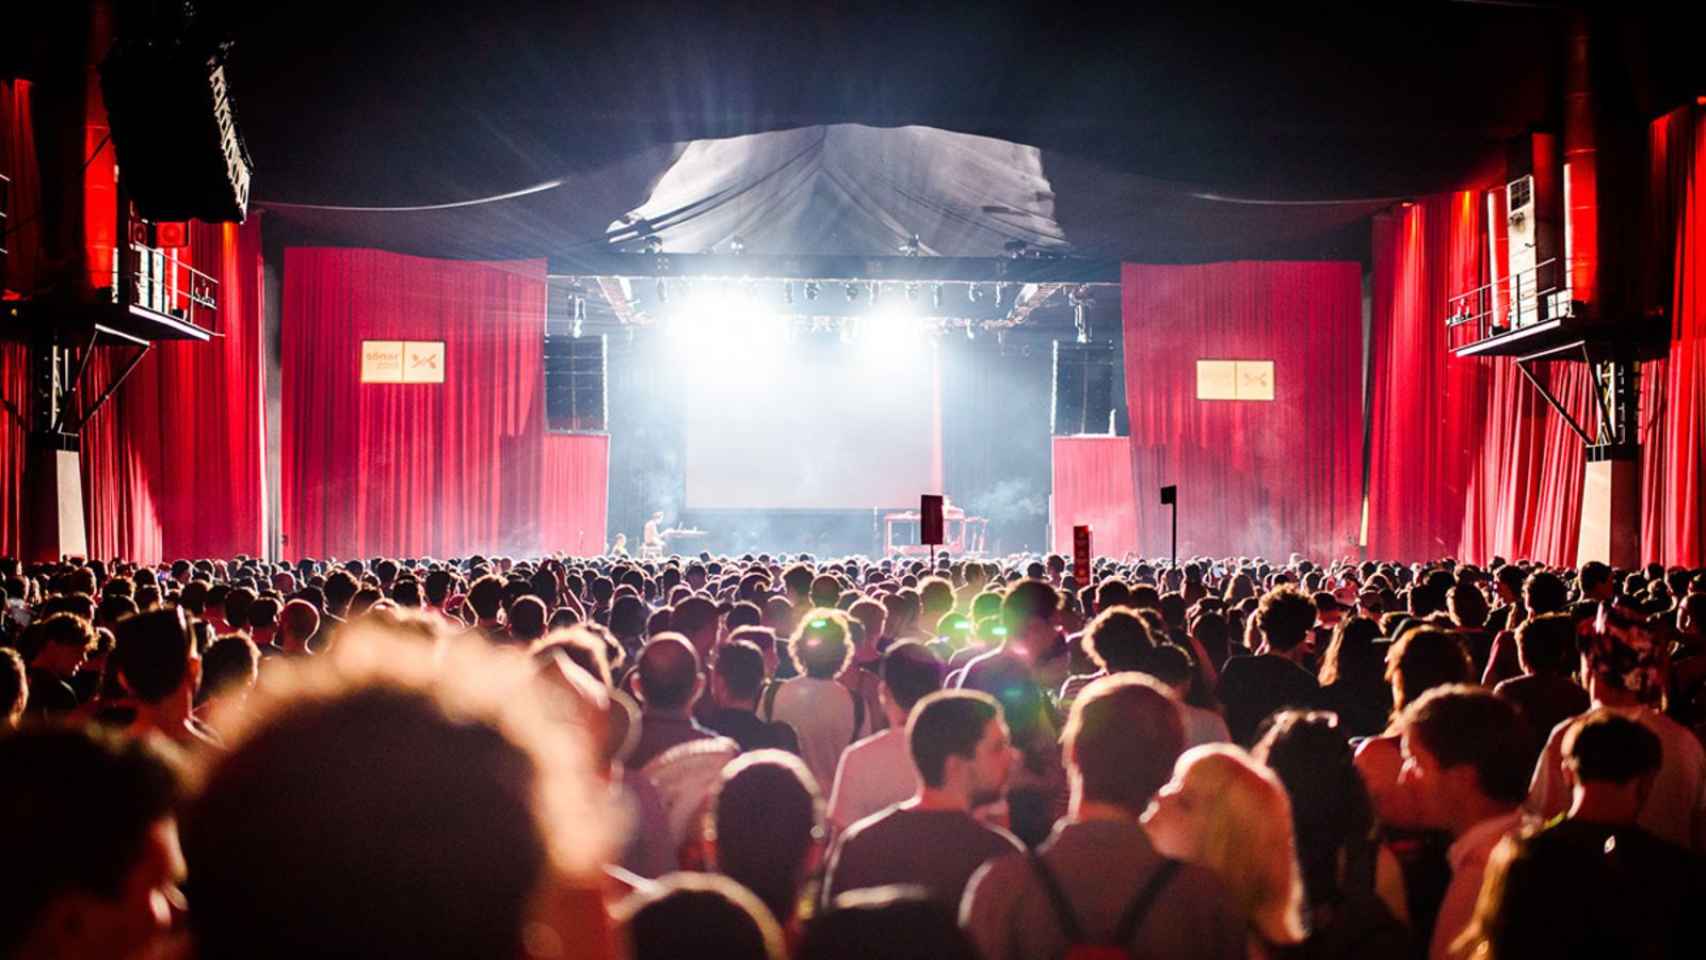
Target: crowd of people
x=779, y=756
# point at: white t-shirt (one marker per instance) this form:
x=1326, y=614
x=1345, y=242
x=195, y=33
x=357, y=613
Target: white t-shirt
x=874, y=773
x=821, y=713
x=1675, y=810
x=1202, y=726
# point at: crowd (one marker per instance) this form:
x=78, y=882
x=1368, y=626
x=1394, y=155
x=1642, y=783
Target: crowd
x=767, y=757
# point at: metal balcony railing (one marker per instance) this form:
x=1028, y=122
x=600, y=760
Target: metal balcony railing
x=164, y=283
x=1507, y=304
x=5, y=216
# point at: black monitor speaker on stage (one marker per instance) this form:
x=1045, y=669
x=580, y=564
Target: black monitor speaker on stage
x=575, y=398
x=1085, y=378
x=930, y=527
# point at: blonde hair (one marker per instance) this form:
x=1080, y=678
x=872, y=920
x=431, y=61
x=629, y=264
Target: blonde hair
x=1246, y=837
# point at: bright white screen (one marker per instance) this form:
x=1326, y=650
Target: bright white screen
x=810, y=426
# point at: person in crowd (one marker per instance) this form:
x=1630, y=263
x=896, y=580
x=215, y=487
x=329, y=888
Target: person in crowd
x=1172, y=665
x=1421, y=659
x=399, y=799
x=825, y=714
x=878, y=772
x=1353, y=888
x=1029, y=610
x=960, y=750
x=229, y=670
x=698, y=915
x=1626, y=661
x=1253, y=688
x=1117, y=640
x=90, y=845
x=263, y=620
x=1547, y=692
x=895, y=923
x=298, y=623
x=767, y=830
x=1466, y=759
x=1224, y=812
x=667, y=682
x=737, y=678
x=1352, y=677
x=56, y=649
x=157, y=663
x=14, y=688
x=1099, y=879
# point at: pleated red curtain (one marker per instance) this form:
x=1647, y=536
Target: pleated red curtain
x=1093, y=485
x=411, y=469
x=574, y=493
x=1266, y=477
x=17, y=278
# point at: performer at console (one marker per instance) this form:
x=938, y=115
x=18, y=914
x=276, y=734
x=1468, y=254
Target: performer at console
x=652, y=537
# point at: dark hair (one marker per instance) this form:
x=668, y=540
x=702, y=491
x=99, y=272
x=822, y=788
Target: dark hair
x=894, y=922
x=1423, y=658
x=1352, y=651
x=947, y=723
x=668, y=671
x=741, y=665
x=67, y=630
x=699, y=915
x=14, y=684
x=911, y=673
x=527, y=619
x=1545, y=592
x=1118, y=639
x=820, y=647
x=1330, y=806
x=1547, y=644
x=768, y=812
x=1028, y=600
x=78, y=805
x=1170, y=663
x=237, y=604
x=1285, y=616
x=1460, y=724
x=693, y=615
x=1123, y=736
x=1604, y=746
x=152, y=652
x=485, y=596
x=628, y=615
x=231, y=659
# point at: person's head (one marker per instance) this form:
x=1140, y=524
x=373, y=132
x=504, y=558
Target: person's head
x=64, y=642
x=1467, y=752
x=298, y=622
x=1285, y=616
x=895, y=923
x=1611, y=762
x=155, y=656
x=1122, y=738
x=1467, y=605
x=820, y=647
x=91, y=845
x=669, y=677
x=698, y=915
x=419, y=800
x=1545, y=592
x=1029, y=608
x=696, y=618
x=230, y=668
x=485, y=597
x=1118, y=640
x=1223, y=811
x=14, y=687
x=910, y=672
x=1595, y=582
x=1625, y=658
x=1330, y=805
x=528, y=620
x=738, y=674
x=959, y=745
x=1352, y=651
x=767, y=827
x=1423, y=658
x=1546, y=645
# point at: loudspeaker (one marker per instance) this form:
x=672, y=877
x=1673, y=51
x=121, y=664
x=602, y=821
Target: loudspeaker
x=575, y=397
x=1085, y=375
x=1169, y=495
x=174, y=131
x=930, y=530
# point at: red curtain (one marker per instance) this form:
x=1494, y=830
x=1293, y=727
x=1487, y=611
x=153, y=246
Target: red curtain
x=1093, y=485
x=1253, y=476
x=172, y=465
x=1673, y=391
x=410, y=469
x=18, y=277
x=1427, y=408
x=574, y=493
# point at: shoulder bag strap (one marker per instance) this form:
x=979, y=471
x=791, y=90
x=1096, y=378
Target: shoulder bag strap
x=1134, y=914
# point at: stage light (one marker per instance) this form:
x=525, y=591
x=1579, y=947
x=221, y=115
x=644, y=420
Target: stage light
x=579, y=316
x=911, y=246
x=971, y=330
x=788, y=293
x=1000, y=293
x=1015, y=248
x=936, y=296
x=654, y=245
x=813, y=288
x=974, y=293
x=876, y=292
x=737, y=246
x=663, y=290
x=852, y=291
x=912, y=293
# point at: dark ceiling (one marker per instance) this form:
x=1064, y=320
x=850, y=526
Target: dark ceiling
x=374, y=102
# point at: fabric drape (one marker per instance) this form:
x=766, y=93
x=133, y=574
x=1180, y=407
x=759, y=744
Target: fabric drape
x=22, y=232
x=410, y=469
x=1254, y=476
x=573, y=493
x=1093, y=485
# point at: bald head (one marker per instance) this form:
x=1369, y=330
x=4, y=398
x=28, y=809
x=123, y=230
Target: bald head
x=669, y=672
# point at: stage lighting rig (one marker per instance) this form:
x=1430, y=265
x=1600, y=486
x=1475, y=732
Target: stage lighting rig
x=654, y=245
x=974, y=293
x=876, y=292
x=1081, y=300
x=813, y=289
x=663, y=290
x=912, y=293
x=936, y=296
x=737, y=246
x=1000, y=293
x=852, y=291
x=579, y=315
x=911, y=246
x=971, y=330
x=788, y=293
x=1015, y=248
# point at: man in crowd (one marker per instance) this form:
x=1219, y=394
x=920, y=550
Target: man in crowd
x=737, y=678
x=63, y=642
x=668, y=683
x=877, y=772
x=157, y=661
x=1028, y=612
x=825, y=715
x=961, y=753
x=1466, y=756
x=298, y=622
x=1122, y=739
x=1253, y=688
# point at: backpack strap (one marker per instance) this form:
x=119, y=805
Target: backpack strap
x=1134, y=914
x=1057, y=898
x=858, y=714
x=767, y=705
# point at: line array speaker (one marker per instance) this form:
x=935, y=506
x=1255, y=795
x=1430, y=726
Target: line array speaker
x=575, y=395
x=1085, y=377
